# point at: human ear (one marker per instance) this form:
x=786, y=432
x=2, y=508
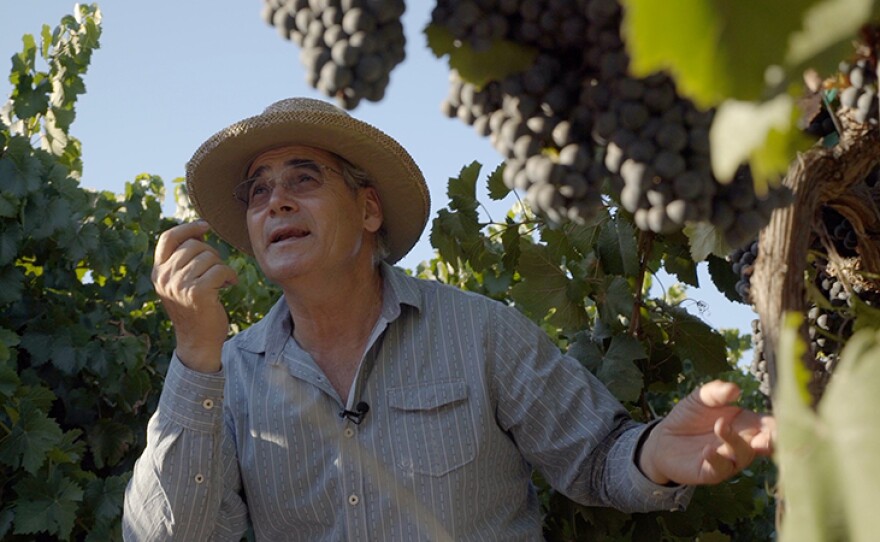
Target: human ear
x=373, y=216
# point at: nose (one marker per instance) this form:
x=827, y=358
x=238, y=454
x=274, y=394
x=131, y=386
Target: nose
x=280, y=201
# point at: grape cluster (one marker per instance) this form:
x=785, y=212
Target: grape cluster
x=349, y=47
x=861, y=94
x=743, y=264
x=759, y=360
x=740, y=213
x=576, y=118
x=843, y=234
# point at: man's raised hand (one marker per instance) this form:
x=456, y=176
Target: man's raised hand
x=188, y=275
x=706, y=438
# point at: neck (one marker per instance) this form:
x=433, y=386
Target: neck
x=339, y=312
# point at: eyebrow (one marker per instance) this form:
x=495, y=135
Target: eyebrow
x=295, y=162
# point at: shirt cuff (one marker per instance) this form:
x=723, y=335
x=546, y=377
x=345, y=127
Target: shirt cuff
x=654, y=496
x=192, y=399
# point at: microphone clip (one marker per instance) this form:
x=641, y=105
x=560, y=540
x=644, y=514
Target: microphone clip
x=358, y=414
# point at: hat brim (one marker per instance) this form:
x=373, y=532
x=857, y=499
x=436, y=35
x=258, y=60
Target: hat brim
x=221, y=163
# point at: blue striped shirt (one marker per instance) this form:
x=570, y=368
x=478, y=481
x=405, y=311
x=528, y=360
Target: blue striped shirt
x=466, y=398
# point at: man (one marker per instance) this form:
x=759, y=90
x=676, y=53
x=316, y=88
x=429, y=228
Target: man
x=368, y=405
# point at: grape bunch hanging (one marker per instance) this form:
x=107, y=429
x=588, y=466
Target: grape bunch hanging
x=348, y=47
x=576, y=118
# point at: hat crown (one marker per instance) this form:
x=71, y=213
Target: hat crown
x=291, y=105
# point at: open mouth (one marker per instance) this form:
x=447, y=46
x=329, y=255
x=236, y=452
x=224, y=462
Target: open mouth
x=287, y=233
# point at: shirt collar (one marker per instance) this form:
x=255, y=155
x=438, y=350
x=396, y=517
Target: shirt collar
x=269, y=335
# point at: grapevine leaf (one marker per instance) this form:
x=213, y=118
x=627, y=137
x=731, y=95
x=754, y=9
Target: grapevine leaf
x=677, y=261
x=618, y=371
x=109, y=441
x=30, y=440
x=104, y=496
x=715, y=50
x=39, y=345
x=497, y=189
x=614, y=299
x=10, y=284
x=827, y=33
x=545, y=289
x=8, y=204
x=584, y=349
x=705, y=239
x=866, y=315
x=10, y=239
x=723, y=277
x=617, y=248
x=6, y=517
x=9, y=380
x=848, y=408
x=510, y=242
x=584, y=237
x=696, y=341
x=47, y=505
x=765, y=134
x=503, y=58
x=462, y=190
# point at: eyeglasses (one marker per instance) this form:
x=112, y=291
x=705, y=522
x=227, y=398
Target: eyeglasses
x=298, y=177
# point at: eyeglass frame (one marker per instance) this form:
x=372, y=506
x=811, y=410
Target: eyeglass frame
x=242, y=191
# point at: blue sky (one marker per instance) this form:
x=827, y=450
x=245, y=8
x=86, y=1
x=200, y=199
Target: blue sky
x=170, y=73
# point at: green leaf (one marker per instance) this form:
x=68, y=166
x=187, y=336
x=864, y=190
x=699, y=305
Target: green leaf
x=618, y=371
x=545, y=289
x=503, y=58
x=462, y=190
x=705, y=239
x=584, y=349
x=617, y=248
x=827, y=33
x=11, y=286
x=764, y=134
x=10, y=240
x=110, y=440
x=677, y=261
x=47, y=505
x=30, y=440
x=614, y=299
x=510, y=240
x=583, y=237
x=715, y=50
x=724, y=278
x=830, y=467
x=6, y=517
x=696, y=341
x=104, y=496
x=495, y=183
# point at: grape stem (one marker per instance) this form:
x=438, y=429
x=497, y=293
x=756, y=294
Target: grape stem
x=645, y=243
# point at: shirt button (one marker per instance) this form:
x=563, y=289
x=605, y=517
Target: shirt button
x=199, y=478
x=353, y=500
x=349, y=432
x=208, y=404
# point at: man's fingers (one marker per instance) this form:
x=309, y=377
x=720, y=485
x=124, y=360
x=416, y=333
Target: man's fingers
x=717, y=393
x=220, y=276
x=734, y=447
x=171, y=239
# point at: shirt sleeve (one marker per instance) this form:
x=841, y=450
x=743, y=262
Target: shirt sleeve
x=186, y=484
x=567, y=424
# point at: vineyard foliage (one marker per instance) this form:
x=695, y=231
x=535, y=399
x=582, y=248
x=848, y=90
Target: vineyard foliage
x=84, y=343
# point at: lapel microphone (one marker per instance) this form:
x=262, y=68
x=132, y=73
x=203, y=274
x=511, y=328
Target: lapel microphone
x=357, y=415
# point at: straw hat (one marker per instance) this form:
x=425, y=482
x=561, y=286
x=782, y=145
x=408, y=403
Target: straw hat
x=222, y=161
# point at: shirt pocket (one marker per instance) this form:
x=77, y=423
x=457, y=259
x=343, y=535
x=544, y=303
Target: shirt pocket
x=433, y=428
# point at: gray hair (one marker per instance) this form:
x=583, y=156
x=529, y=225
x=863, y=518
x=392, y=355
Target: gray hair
x=355, y=178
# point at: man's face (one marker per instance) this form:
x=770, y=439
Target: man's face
x=304, y=220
